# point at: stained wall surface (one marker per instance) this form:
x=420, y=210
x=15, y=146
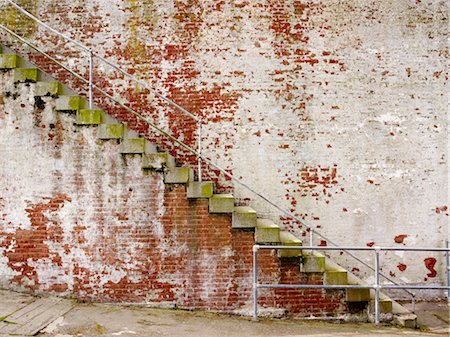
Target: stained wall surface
x=336, y=110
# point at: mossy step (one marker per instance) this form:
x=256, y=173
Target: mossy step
x=221, y=203
x=8, y=61
x=25, y=75
x=68, y=103
x=90, y=117
x=197, y=189
x=335, y=276
x=157, y=161
x=313, y=263
x=178, y=175
x=110, y=131
x=243, y=217
x=267, y=231
x=358, y=295
x=288, y=239
x=385, y=306
x=47, y=89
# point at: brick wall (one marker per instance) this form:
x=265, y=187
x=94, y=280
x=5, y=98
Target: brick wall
x=336, y=111
x=78, y=218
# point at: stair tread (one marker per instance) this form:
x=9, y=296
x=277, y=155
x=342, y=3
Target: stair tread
x=266, y=223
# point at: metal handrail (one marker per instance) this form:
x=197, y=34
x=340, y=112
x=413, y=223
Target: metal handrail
x=197, y=153
x=377, y=286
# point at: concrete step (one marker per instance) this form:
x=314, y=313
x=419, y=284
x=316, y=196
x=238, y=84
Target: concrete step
x=267, y=232
x=313, y=262
x=198, y=189
x=335, y=276
x=158, y=161
x=178, y=175
x=47, y=89
x=8, y=61
x=358, y=295
x=243, y=217
x=110, y=131
x=288, y=239
x=221, y=203
x=136, y=146
x=90, y=117
x=68, y=103
x=23, y=75
x=385, y=306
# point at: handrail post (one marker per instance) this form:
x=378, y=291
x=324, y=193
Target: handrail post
x=199, y=158
x=91, y=68
x=255, y=283
x=377, y=285
x=447, y=261
x=311, y=239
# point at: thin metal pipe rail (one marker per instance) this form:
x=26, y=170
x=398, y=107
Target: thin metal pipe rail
x=377, y=286
x=198, y=153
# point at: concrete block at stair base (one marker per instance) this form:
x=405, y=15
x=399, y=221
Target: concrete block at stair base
x=406, y=320
x=89, y=117
x=267, y=231
x=133, y=145
x=25, y=75
x=110, y=131
x=221, y=203
x=46, y=89
x=385, y=306
x=313, y=263
x=68, y=103
x=197, y=189
x=358, y=295
x=178, y=175
x=335, y=277
x=244, y=217
x=8, y=61
x=288, y=239
x=157, y=161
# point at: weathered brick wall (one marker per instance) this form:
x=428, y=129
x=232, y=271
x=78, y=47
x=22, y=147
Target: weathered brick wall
x=336, y=110
x=78, y=218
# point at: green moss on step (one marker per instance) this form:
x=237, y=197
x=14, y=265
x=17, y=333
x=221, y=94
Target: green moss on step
x=8, y=61
x=221, y=203
x=358, y=295
x=313, y=263
x=335, y=277
x=157, y=161
x=385, y=306
x=47, y=89
x=110, y=131
x=178, y=175
x=25, y=75
x=68, y=103
x=198, y=189
x=89, y=117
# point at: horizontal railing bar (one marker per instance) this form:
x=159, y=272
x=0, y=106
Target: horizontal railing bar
x=349, y=286
x=419, y=249
x=79, y=44
x=314, y=286
x=44, y=53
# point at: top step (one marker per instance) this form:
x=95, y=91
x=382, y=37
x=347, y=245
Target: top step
x=8, y=61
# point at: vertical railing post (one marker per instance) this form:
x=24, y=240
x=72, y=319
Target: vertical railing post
x=199, y=159
x=377, y=285
x=447, y=261
x=311, y=240
x=255, y=282
x=91, y=70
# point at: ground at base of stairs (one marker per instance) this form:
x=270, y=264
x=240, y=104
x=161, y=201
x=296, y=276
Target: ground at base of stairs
x=115, y=320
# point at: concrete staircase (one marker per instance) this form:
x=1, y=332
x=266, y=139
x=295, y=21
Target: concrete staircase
x=243, y=217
